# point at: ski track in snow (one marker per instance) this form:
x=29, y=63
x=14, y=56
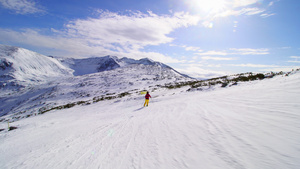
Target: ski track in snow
x=245, y=127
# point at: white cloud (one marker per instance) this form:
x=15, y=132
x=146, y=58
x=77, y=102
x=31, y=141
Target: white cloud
x=214, y=65
x=195, y=57
x=267, y=68
x=132, y=31
x=109, y=34
x=187, y=48
x=63, y=45
x=244, y=11
x=249, y=51
x=212, y=53
x=217, y=58
x=295, y=57
x=271, y=3
x=236, y=51
x=266, y=15
x=242, y=7
x=280, y=68
x=22, y=6
x=192, y=48
x=253, y=65
x=196, y=71
x=78, y=48
x=285, y=47
x=252, y=11
x=293, y=61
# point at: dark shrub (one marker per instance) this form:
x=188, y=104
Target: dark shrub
x=12, y=128
x=224, y=84
x=260, y=76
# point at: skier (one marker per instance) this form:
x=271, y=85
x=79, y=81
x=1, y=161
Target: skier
x=147, y=96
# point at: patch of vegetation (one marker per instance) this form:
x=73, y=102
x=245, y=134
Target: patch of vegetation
x=44, y=110
x=224, y=84
x=102, y=98
x=250, y=77
x=81, y=102
x=123, y=94
x=12, y=128
x=229, y=81
x=70, y=105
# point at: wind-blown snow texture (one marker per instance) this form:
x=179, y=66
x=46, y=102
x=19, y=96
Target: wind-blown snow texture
x=255, y=125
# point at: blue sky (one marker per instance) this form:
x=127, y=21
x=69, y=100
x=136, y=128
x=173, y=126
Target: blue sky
x=198, y=37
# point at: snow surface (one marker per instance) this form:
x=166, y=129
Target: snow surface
x=28, y=67
x=254, y=125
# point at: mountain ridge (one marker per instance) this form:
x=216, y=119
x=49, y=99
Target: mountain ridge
x=20, y=67
x=106, y=63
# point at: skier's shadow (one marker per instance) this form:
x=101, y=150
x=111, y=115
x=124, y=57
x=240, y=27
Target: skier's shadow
x=139, y=109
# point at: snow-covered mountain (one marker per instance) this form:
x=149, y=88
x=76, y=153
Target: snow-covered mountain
x=21, y=67
x=106, y=63
x=38, y=82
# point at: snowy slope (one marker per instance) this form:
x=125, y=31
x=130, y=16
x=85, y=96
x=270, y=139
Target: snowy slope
x=251, y=126
x=39, y=83
x=21, y=67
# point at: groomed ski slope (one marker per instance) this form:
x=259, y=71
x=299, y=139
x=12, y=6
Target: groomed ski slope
x=250, y=126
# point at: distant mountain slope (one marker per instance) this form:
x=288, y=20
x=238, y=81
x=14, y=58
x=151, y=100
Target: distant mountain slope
x=20, y=66
x=89, y=65
x=106, y=63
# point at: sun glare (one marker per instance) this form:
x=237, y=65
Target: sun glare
x=209, y=6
